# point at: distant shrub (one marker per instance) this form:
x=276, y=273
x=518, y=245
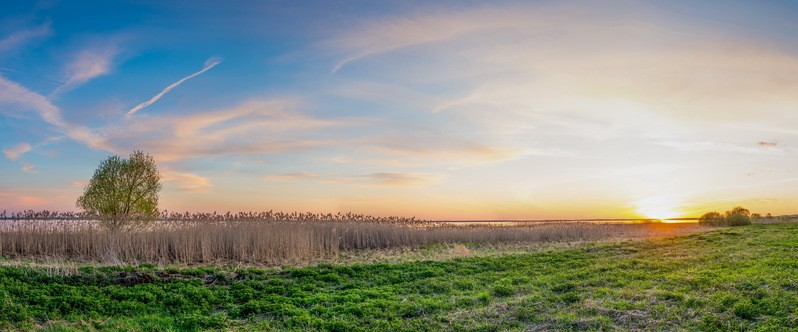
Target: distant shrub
x=739, y=210
x=711, y=219
x=737, y=216
x=737, y=220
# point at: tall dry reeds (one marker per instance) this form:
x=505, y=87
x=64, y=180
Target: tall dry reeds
x=245, y=238
x=166, y=215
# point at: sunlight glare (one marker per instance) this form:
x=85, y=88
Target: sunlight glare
x=659, y=207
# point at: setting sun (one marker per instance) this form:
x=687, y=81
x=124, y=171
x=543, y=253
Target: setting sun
x=661, y=207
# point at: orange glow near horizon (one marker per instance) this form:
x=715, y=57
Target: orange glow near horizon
x=655, y=207
x=661, y=208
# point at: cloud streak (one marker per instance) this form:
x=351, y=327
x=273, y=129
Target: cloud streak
x=291, y=176
x=17, y=151
x=251, y=127
x=15, y=40
x=379, y=37
x=377, y=179
x=90, y=63
x=453, y=149
x=709, y=146
x=16, y=95
x=186, y=181
x=28, y=167
x=399, y=179
x=553, y=80
x=15, y=199
x=210, y=63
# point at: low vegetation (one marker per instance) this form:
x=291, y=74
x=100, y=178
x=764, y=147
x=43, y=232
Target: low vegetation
x=278, y=241
x=738, y=216
x=166, y=215
x=727, y=279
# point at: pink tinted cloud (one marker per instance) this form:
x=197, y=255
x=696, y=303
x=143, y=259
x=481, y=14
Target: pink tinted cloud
x=88, y=64
x=186, y=181
x=17, y=151
x=17, y=201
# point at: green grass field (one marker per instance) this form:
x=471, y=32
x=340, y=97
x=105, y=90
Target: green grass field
x=743, y=278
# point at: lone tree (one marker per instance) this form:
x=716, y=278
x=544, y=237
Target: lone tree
x=123, y=192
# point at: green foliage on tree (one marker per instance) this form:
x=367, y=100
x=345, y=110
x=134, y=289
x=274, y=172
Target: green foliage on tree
x=123, y=193
x=711, y=219
x=738, y=211
x=737, y=216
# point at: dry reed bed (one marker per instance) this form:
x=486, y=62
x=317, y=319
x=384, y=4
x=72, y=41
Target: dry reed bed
x=276, y=242
x=166, y=215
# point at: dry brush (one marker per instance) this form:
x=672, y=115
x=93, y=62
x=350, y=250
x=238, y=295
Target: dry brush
x=252, y=238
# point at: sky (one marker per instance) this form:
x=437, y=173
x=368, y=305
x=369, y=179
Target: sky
x=433, y=109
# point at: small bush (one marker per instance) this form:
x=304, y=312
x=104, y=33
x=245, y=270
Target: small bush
x=737, y=220
x=737, y=216
x=711, y=219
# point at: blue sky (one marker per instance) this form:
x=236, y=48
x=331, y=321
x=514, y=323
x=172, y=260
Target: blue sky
x=450, y=109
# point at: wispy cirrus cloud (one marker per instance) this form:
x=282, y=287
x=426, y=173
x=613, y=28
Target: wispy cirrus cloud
x=186, y=181
x=15, y=40
x=565, y=80
x=19, y=97
x=381, y=36
x=15, y=199
x=16, y=152
x=400, y=179
x=210, y=63
x=709, y=146
x=453, y=149
x=251, y=127
x=291, y=176
x=13, y=153
x=87, y=64
x=533, y=59
x=376, y=179
x=28, y=167
x=14, y=94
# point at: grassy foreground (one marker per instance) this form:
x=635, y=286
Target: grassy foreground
x=743, y=278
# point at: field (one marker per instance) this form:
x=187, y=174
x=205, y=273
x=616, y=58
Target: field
x=741, y=278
